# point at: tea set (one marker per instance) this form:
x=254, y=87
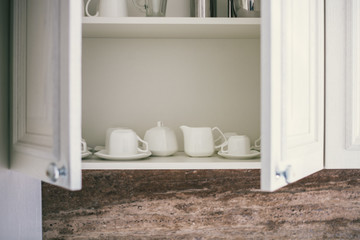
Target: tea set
x=125, y=144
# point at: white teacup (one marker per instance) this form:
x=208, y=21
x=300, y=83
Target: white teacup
x=109, y=8
x=83, y=146
x=237, y=145
x=124, y=142
x=229, y=134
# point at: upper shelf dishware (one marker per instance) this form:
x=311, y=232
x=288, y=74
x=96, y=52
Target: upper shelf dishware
x=152, y=8
x=109, y=8
x=245, y=8
x=162, y=140
x=199, y=141
x=203, y=8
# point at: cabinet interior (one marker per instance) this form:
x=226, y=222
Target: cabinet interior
x=135, y=82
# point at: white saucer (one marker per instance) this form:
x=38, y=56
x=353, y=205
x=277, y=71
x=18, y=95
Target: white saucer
x=103, y=154
x=252, y=154
x=85, y=154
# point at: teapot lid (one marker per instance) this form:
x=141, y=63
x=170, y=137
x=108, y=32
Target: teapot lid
x=159, y=129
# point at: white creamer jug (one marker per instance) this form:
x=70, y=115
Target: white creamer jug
x=199, y=141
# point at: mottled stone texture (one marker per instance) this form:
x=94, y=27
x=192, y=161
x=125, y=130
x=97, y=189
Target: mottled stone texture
x=203, y=204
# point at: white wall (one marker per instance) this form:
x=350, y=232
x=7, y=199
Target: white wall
x=20, y=196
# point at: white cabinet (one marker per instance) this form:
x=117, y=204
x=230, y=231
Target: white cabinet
x=342, y=148
x=213, y=64
x=197, y=72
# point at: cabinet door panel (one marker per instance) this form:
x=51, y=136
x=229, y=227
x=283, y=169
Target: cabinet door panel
x=46, y=102
x=343, y=84
x=292, y=91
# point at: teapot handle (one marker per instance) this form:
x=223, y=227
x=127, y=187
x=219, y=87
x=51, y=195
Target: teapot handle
x=146, y=145
x=87, y=11
x=222, y=135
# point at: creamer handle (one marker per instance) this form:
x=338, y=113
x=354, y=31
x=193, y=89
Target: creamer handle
x=222, y=135
x=223, y=149
x=146, y=145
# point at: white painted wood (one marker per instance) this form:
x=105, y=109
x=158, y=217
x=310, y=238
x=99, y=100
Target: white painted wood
x=352, y=100
x=46, y=107
x=20, y=195
x=178, y=161
x=292, y=38
x=342, y=84
x=171, y=27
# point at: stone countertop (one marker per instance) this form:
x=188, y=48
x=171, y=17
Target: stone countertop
x=203, y=204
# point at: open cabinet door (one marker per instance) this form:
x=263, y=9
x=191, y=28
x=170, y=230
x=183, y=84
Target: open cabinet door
x=292, y=91
x=46, y=91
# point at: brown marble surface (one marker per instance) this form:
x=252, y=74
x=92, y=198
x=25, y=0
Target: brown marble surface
x=203, y=204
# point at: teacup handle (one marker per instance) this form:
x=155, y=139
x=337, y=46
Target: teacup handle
x=222, y=135
x=257, y=142
x=146, y=145
x=223, y=148
x=87, y=11
x=83, y=146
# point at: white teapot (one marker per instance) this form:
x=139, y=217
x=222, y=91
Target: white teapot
x=199, y=141
x=161, y=140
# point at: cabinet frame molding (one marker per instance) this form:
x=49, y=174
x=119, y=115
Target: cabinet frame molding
x=352, y=77
x=342, y=148
x=21, y=138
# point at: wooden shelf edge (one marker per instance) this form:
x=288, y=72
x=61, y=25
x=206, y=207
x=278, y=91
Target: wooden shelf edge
x=179, y=161
x=171, y=20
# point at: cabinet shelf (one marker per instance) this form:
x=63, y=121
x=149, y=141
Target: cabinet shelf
x=178, y=161
x=180, y=28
